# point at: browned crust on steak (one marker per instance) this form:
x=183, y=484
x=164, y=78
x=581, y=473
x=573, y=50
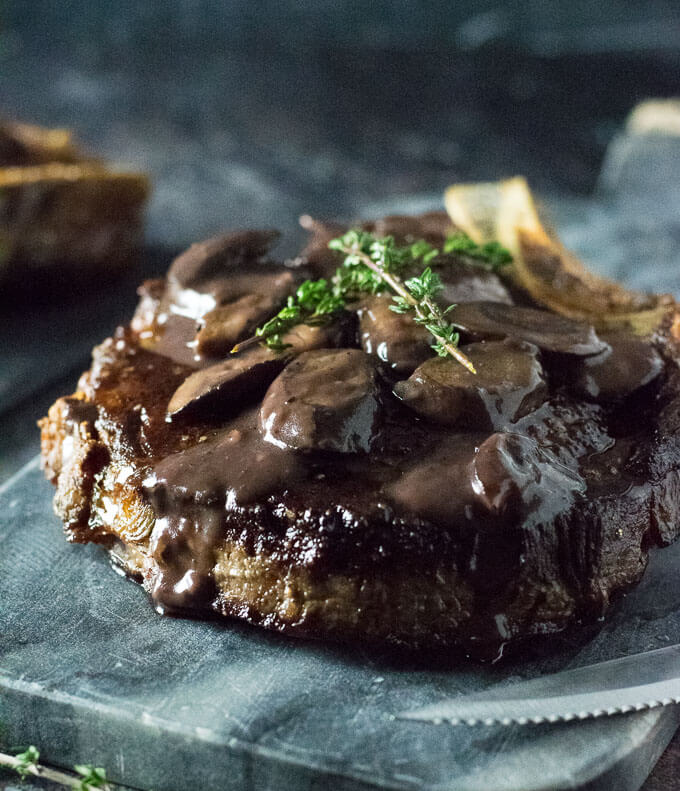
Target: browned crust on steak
x=96, y=503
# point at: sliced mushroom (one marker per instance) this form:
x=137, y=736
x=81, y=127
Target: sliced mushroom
x=511, y=471
x=627, y=364
x=205, y=260
x=316, y=252
x=273, y=281
x=224, y=326
x=508, y=385
x=437, y=485
x=324, y=400
x=223, y=388
x=470, y=284
x=224, y=269
x=546, y=330
x=393, y=337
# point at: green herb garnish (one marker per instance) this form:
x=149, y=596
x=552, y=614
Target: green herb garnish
x=26, y=763
x=313, y=303
x=92, y=777
x=491, y=255
x=372, y=265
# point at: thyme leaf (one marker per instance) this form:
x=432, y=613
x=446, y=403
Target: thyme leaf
x=491, y=255
x=26, y=763
x=92, y=777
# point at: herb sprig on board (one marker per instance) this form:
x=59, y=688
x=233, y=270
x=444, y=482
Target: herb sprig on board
x=373, y=265
x=25, y=764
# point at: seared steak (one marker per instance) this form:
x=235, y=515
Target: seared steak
x=354, y=488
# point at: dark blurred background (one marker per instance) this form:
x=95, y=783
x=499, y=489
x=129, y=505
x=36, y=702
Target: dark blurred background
x=253, y=111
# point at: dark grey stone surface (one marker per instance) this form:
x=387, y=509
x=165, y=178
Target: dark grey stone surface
x=90, y=673
x=257, y=115
x=405, y=24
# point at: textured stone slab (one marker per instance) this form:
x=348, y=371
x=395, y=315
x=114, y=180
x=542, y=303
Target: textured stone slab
x=90, y=673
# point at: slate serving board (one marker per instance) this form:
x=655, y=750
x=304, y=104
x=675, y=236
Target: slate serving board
x=90, y=673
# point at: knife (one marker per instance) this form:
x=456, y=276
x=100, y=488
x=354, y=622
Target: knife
x=633, y=683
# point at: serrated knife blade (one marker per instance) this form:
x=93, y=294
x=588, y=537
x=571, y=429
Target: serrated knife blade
x=632, y=683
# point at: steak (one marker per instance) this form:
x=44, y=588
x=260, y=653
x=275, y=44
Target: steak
x=351, y=488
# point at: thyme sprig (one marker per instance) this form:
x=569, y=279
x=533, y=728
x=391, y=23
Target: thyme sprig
x=384, y=259
x=372, y=265
x=313, y=303
x=26, y=764
x=424, y=289
x=491, y=255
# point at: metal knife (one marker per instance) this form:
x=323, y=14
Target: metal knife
x=633, y=683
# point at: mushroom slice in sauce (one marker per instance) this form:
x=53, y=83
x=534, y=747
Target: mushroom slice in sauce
x=546, y=330
x=195, y=303
x=323, y=400
x=222, y=389
x=224, y=326
x=508, y=385
x=393, y=337
x=469, y=476
x=224, y=269
x=463, y=283
x=511, y=471
x=432, y=226
x=627, y=364
x=206, y=260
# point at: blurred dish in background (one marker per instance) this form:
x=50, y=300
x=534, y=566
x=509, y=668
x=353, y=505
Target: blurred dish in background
x=62, y=211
